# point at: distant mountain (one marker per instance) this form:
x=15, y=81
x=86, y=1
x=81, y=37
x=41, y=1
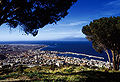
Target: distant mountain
x=73, y=39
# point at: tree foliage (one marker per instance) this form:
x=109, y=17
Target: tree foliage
x=33, y=14
x=104, y=34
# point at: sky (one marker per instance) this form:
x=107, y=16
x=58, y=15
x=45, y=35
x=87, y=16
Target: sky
x=80, y=14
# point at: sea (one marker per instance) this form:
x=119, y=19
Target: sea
x=83, y=47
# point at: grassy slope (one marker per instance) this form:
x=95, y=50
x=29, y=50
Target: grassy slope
x=67, y=73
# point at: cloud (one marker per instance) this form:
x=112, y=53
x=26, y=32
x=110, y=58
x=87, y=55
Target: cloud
x=68, y=34
x=111, y=8
x=74, y=23
x=114, y=3
x=111, y=12
x=48, y=30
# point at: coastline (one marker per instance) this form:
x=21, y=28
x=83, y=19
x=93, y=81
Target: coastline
x=32, y=56
x=80, y=54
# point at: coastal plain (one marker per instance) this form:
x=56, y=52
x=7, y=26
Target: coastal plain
x=29, y=62
x=32, y=55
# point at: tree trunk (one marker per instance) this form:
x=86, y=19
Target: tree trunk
x=114, y=65
x=108, y=58
x=117, y=61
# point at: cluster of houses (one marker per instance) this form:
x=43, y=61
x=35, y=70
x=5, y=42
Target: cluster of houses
x=35, y=57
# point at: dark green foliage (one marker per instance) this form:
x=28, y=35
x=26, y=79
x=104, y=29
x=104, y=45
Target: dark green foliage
x=5, y=70
x=33, y=14
x=33, y=74
x=69, y=70
x=9, y=76
x=104, y=34
x=20, y=69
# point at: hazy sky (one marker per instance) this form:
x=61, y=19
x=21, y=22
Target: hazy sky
x=79, y=15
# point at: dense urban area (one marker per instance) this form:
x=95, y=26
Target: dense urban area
x=32, y=55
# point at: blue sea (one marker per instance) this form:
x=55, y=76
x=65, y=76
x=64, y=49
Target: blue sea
x=83, y=47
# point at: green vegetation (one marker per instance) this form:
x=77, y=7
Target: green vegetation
x=66, y=73
x=33, y=14
x=104, y=35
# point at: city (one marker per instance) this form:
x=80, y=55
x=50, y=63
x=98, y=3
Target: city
x=32, y=55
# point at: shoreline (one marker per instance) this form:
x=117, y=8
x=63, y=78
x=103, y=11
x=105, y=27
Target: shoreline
x=56, y=52
x=81, y=54
x=19, y=54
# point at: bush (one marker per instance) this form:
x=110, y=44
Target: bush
x=1, y=78
x=69, y=70
x=34, y=74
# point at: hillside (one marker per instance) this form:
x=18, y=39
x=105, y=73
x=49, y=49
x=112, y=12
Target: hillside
x=64, y=73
